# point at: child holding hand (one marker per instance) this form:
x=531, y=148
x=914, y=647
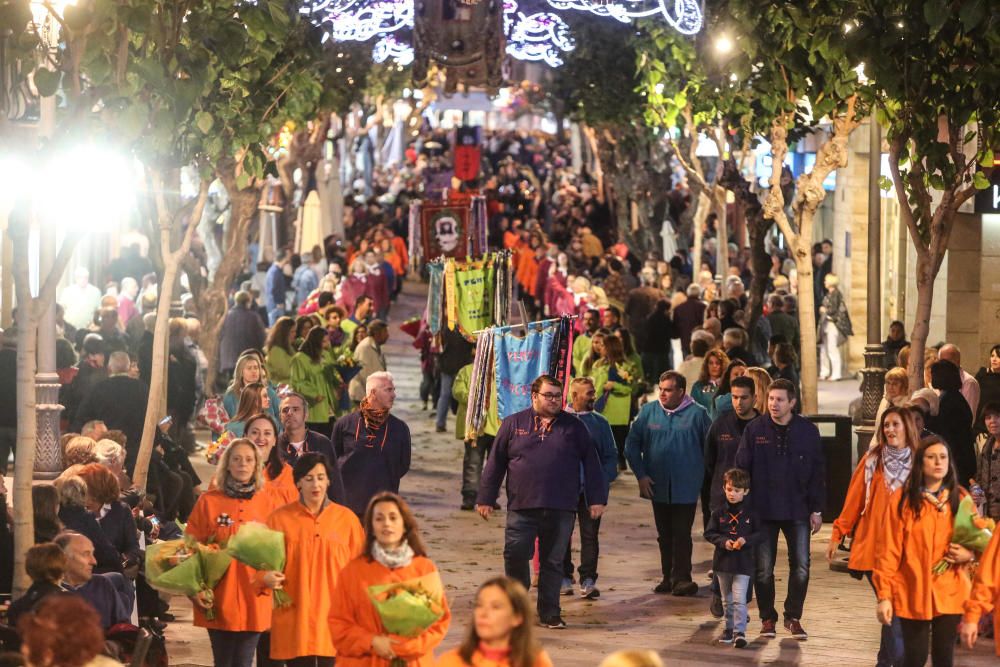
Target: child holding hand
x=734, y=530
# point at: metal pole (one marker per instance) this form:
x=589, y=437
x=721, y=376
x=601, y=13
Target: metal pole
x=873, y=375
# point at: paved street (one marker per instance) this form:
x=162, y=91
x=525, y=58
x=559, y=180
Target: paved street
x=840, y=612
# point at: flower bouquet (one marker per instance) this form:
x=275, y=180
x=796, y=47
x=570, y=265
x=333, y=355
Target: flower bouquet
x=261, y=548
x=218, y=446
x=186, y=567
x=409, y=607
x=970, y=530
x=347, y=366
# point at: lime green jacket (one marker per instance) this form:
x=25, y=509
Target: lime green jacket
x=279, y=365
x=581, y=350
x=616, y=411
x=460, y=392
x=311, y=380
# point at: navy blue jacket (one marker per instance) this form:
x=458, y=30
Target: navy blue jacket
x=786, y=466
x=731, y=522
x=721, y=444
x=370, y=466
x=543, y=468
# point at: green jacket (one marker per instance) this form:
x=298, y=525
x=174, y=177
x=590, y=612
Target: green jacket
x=311, y=380
x=581, y=350
x=279, y=365
x=616, y=411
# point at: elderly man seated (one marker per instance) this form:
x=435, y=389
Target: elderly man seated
x=110, y=594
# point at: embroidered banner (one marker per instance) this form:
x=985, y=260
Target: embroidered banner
x=518, y=362
x=474, y=284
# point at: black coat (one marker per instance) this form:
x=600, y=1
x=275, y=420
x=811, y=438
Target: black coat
x=989, y=392
x=732, y=522
x=71, y=395
x=954, y=424
x=80, y=520
x=120, y=402
x=8, y=387
x=181, y=384
x=688, y=316
x=119, y=526
x=31, y=599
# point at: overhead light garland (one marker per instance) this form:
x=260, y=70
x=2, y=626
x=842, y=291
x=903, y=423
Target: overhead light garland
x=390, y=48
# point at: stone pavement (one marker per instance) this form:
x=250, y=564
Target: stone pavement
x=840, y=612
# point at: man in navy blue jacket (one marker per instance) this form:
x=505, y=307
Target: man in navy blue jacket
x=540, y=451
x=784, y=456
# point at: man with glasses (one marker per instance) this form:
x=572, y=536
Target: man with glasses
x=541, y=451
x=665, y=450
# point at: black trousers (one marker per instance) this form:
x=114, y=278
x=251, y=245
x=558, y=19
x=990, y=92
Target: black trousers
x=620, y=433
x=590, y=547
x=939, y=633
x=673, y=529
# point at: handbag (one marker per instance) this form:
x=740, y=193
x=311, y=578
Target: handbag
x=213, y=414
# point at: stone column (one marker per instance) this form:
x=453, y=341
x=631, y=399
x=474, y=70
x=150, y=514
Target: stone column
x=48, y=452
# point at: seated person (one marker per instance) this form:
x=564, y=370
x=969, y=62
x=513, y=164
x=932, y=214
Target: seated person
x=46, y=565
x=100, y=591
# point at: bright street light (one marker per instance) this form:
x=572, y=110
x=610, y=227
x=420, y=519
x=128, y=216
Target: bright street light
x=723, y=44
x=87, y=187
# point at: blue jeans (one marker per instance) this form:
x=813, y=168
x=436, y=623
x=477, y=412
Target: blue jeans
x=734, y=595
x=444, y=400
x=274, y=313
x=233, y=649
x=890, y=648
x=797, y=538
x=553, y=529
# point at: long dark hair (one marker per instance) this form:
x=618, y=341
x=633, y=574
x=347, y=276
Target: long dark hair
x=273, y=465
x=279, y=335
x=411, y=531
x=913, y=492
x=312, y=346
x=726, y=386
x=524, y=648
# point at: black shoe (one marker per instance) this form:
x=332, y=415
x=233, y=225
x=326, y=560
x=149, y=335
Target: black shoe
x=440, y=429
x=554, y=623
x=727, y=637
x=166, y=617
x=740, y=640
x=685, y=589
x=663, y=587
x=468, y=506
x=716, y=607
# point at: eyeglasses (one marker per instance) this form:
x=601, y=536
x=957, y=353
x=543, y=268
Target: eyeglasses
x=549, y=397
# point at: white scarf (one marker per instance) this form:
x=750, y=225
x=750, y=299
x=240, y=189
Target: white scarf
x=393, y=559
x=896, y=466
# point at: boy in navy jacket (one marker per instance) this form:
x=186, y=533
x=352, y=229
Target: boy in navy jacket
x=734, y=530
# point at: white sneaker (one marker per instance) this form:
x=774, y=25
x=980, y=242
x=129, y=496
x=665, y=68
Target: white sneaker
x=588, y=590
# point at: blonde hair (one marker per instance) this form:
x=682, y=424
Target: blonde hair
x=632, y=659
x=222, y=470
x=831, y=280
x=80, y=449
x=761, y=383
x=898, y=374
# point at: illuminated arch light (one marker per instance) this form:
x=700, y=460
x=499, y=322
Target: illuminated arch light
x=390, y=47
x=353, y=20
x=539, y=37
x=683, y=15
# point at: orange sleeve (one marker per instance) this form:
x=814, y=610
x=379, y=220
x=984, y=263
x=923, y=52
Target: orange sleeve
x=854, y=503
x=350, y=637
x=451, y=659
x=417, y=647
x=889, y=550
x=986, y=586
x=543, y=660
x=199, y=525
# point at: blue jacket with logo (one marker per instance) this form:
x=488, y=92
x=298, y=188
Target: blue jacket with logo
x=667, y=446
x=787, y=468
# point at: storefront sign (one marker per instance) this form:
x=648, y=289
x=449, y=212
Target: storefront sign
x=988, y=200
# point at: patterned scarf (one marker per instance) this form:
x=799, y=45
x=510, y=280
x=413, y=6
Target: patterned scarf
x=399, y=557
x=374, y=417
x=240, y=490
x=896, y=464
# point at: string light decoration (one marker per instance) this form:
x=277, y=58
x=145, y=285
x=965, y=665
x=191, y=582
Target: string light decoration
x=540, y=36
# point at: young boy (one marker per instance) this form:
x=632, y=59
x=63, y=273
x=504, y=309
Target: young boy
x=734, y=530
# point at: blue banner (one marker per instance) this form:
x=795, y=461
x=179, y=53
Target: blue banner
x=519, y=361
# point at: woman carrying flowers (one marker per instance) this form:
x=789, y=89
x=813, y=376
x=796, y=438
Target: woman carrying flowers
x=915, y=535
x=502, y=630
x=614, y=379
x=389, y=608
x=241, y=611
x=321, y=537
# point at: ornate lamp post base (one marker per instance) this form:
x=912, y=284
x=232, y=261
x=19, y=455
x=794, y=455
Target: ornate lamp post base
x=48, y=449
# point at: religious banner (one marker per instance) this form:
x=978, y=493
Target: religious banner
x=518, y=361
x=445, y=230
x=475, y=297
x=467, y=153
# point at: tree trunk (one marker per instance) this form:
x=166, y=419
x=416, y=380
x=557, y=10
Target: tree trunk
x=922, y=319
x=722, y=234
x=161, y=332
x=757, y=228
x=214, y=301
x=29, y=312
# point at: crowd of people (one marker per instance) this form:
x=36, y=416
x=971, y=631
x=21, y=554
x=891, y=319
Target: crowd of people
x=673, y=380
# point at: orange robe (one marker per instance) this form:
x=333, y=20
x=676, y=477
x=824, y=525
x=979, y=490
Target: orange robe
x=908, y=548
x=453, y=659
x=986, y=589
x=354, y=621
x=241, y=602
x=399, y=245
x=281, y=490
x=864, y=522
x=317, y=548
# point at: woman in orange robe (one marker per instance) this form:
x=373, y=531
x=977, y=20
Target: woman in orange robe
x=321, y=537
x=915, y=535
x=882, y=470
x=985, y=595
x=242, y=605
x=502, y=630
x=393, y=553
x=279, y=486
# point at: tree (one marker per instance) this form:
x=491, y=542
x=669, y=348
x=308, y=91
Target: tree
x=934, y=70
